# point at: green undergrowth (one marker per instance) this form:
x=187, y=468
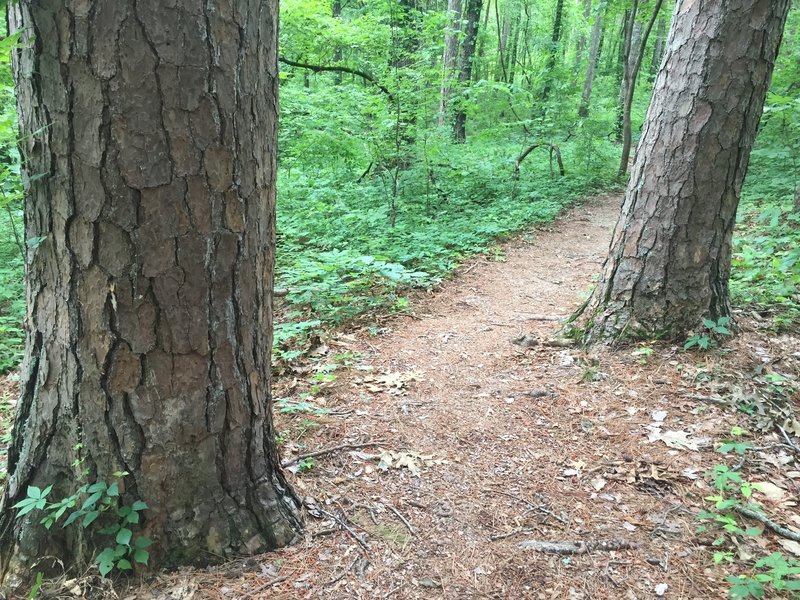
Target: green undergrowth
x=346, y=247
x=766, y=259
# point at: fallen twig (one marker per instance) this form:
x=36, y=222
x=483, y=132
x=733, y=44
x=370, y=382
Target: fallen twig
x=789, y=442
x=347, y=528
x=537, y=507
x=540, y=318
x=768, y=523
x=261, y=588
x=403, y=519
x=560, y=342
x=579, y=547
x=342, y=574
x=315, y=454
x=502, y=536
x=468, y=269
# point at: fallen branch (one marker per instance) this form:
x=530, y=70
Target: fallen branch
x=560, y=342
x=553, y=150
x=347, y=528
x=264, y=587
x=338, y=69
x=576, y=547
x=291, y=461
x=768, y=523
x=537, y=507
x=403, y=519
x=502, y=536
x=541, y=318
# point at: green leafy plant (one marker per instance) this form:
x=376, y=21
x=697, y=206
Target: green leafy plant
x=773, y=572
x=707, y=339
x=99, y=500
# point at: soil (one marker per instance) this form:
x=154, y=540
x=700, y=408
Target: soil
x=467, y=446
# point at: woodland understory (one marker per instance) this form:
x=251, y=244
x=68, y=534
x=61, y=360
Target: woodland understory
x=449, y=177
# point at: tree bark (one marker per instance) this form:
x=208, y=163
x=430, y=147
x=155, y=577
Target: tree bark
x=449, y=56
x=472, y=15
x=670, y=255
x=150, y=293
x=594, y=49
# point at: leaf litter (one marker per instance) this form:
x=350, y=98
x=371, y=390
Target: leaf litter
x=619, y=460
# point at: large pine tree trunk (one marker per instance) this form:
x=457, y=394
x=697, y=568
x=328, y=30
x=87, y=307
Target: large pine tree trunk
x=670, y=255
x=152, y=128
x=472, y=14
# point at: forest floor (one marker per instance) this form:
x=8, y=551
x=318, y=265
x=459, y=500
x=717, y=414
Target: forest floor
x=465, y=444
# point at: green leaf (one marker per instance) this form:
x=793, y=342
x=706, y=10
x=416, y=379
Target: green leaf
x=113, y=490
x=96, y=487
x=124, y=536
x=123, y=564
x=141, y=556
x=138, y=505
x=133, y=517
x=142, y=542
x=90, y=517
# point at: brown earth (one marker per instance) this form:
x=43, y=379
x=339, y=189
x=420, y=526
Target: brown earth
x=487, y=444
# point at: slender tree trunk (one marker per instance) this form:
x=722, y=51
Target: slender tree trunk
x=472, y=16
x=554, y=41
x=594, y=49
x=634, y=66
x=479, y=52
x=623, y=65
x=670, y=255
x=150, y=292
x=336, y=11
x=581, y=46
x=503, y=33
x=449, y=56
x=658, y=46
x=512, y=60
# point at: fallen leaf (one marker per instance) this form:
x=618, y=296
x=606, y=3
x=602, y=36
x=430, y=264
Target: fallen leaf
x=790, y=546
x=679, y=439
x=661, y=589
x=770, y=490
x=659, y=415
x=598, y=483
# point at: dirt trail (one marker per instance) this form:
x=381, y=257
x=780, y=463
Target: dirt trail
x=511, y=443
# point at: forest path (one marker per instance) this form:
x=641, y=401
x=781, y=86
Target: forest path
x=492, y=444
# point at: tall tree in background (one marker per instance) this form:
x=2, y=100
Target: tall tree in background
x=150, y=287
x=449, y=56
x=635, y=49
x=594, y=50
x=670, y=255
x=553, y=52
x=472, y=14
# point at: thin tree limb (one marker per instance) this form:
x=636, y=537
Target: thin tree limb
x=768, y=523
x=338, y=69
x=315, y=454
x=403, y=519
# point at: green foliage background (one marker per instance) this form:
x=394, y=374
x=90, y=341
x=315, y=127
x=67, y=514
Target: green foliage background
x=375, y=198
